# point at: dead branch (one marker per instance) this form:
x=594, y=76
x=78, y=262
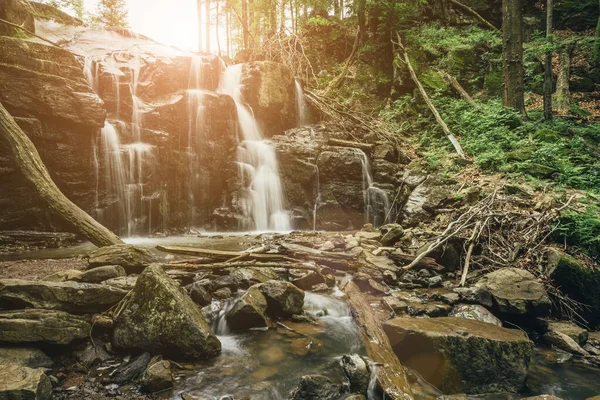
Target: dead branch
x=222, y=254
x=366, y=147
x=425, y=96
x=458, y=87
x=239, y=264
x=475, y=14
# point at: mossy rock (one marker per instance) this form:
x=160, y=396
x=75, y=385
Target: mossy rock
x=577, y=281
x=547, y=135
x=582, y=84
x=433, y=80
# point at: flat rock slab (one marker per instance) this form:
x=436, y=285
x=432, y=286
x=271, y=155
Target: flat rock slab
x=29, y=357
x=459, y=355
x=72, y=297
x=41, y=326
x=22, y=383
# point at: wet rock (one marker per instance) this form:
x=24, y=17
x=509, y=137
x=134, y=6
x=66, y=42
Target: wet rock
x=133, y=259
x=72, y=297
x=431, y=309
x=65, y=275
x=283, y=298
x=158, y=376
x=391, y=234
x=100, y=274
x=159, y=317
x=577, y=333
x=459, y=355
x=395, y=305
x=43, y=326
x=123, y=282
x=475, y=295
x=366, y=235
x=92, y=353
x=306, y=280
x=22, y=383
x=542, y=397
x=25, y=356
x=131, y=370
x=314, y=387
x=449, y=255
x=19, y=13
x=563, y=342
x=199, y=294
x=516, y=291
x=475, y=312
x=249, y=311
x=425, y=199
x=355, y=397
x=222, y=294
x=356, y=370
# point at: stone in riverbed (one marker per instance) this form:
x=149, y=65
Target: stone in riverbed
x=356, y=370
x=133, y=259
x=249, y=311
x=159, y=317
x=22, y=383
x=476, y=312
x=391, y=234
x=563, y=342
x=72, y=297
x=516, y=291
x=29, y=357
x=283, y=298
x=313, y=387
x=157, y=377
x=459, y=355
x=199, y=294
x=577, y=333
x=123, y=282
x=100, y=274
x=43, y=326
x=65, y=275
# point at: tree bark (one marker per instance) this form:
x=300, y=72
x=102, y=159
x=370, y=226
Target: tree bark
x=34, y=171
x=563, y=95
x=207, y=27
x=390, y=373
x=548, y=75
x=199, y=17
x=246, y=34
x=217, y=28
x=512, y=55
x=362, y=21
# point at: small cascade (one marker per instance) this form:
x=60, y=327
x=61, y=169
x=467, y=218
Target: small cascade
x=263, y=200
x=377, y=202
x=317, y=190
x=196, y=133
x=114, y=170
x=372, y=392
x=301, y=109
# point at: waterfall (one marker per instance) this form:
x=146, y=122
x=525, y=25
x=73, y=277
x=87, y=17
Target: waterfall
x=377, y=202
x=317, y=197
x=301, y=110
x=263, y=200
x=114, y=173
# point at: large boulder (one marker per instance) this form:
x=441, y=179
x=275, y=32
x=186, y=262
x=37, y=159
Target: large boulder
x=132, y=258
x=249, y=311
x=313, y=387
x=459, y=355
x=41, y=326
x=516, y=291
x=159, y=317
x=269, y=91
x=283, y=298
x=72, y=297
x=22, y=383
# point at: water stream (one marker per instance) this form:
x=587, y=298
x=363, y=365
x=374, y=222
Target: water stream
x=263, y=199
x=301, y=109
x=377, y=202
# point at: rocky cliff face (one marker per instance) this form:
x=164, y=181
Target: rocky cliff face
x=139, y=135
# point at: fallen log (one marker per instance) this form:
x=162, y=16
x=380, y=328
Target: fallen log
x=391, y=376
x=475, y=14
x=459, y=89
x=238, y=264
x=427, y=263
x=299, y=250
x=31, y=166
x=222, y=254
x=366, y=147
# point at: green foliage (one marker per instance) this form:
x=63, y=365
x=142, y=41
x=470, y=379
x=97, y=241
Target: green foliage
x=74, y=6
x=576, y=15
x=581, y=230
x=111, y=14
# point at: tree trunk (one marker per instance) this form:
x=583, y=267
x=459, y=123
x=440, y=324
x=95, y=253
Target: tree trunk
x=227, y=33
x=548, y=75
x=336, y=8
x=512, y=49
x=342, y=9
x=217, y=28
x=245, y=31
x=199, y=16
x=563, y=95
x=207, y=27
x=362, y=20
x=597, y=43
x=34, y=171
x=282, y=22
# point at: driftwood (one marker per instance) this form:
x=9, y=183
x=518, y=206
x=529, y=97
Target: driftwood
x=299, y=250
x=390, y=374
x=425, y=96
x=475, y=14
x=367, y=147
x=238, y=264
x=222, y=254
x=427, y=263
x=459, y=89
x=31, y=166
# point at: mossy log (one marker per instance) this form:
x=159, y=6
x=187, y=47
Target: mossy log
x=34, y=171
x=391, y=376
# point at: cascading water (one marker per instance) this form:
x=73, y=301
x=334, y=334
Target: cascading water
x=377, y=202
x=263, y=200
x=317, y=197
x=301, y=109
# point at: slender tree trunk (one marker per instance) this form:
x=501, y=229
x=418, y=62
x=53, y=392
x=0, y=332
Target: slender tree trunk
x=342, y=9
x=597, y=43
x=336, y=8
x=207, y=34
x=245, y=23
x=199, y=16
x=272, y=17
x=228, y=32
x=282, y=25
x=35, y=173
x=563, y=95
x=362, y=21
x=217, y=16
x=292, y=21
x=512, y=54
x=548, y=75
